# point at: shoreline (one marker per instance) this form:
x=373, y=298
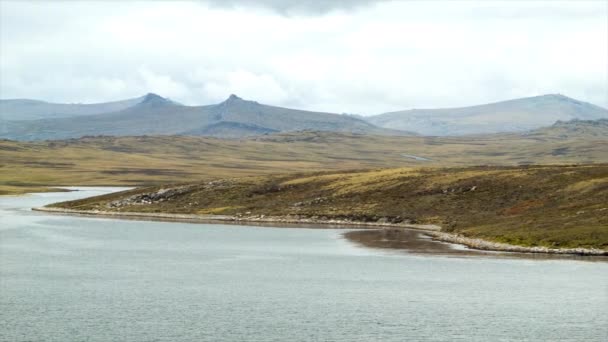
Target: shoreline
x=433, y=231
x=24, y=191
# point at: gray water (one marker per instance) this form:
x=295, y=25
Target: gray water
x=68, y=278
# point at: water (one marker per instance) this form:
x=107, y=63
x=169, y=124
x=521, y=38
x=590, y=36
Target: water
x=411, y=156
x=67, y=278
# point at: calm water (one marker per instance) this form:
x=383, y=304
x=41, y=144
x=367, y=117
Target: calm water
x=89, y=279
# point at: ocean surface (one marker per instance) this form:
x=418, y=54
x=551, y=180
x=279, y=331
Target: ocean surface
x=71, y=278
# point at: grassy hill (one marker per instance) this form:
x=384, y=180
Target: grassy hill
x=553, y=206
x=149, y=160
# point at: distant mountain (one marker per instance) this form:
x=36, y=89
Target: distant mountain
x=506, y=116
x=153, y=114
x=278, y=119
x=150, y=115
x=24, y=109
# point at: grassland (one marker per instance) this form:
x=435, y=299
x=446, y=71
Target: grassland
x=148, y=160
x=551, y=206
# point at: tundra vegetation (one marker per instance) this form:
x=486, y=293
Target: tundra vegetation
x=148, y=160
x=553, y=206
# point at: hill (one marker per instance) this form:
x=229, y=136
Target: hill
x=574, y=128
x=155, y=115
x=25, y=109
x=507, y=116
x=551, y=206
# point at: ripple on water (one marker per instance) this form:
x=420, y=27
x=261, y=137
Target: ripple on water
x=145, y=281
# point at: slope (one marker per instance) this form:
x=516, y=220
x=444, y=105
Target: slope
x=25, y=109
x=154, y=115
x=551, y=206
x=160, y=159
x=506, y=116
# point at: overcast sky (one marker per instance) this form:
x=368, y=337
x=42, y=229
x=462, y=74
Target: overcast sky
x=352, y=56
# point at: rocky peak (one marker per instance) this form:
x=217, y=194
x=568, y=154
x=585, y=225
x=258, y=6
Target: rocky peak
x=152, y=98
x=234, y=104
x=235, y=100
x=233, y=97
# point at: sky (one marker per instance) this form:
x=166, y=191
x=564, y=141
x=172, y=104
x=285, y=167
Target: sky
x=344, y=56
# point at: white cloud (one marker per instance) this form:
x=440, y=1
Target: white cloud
x=296, y=7
x=369, y=58
x=263, y=88
x=162, y=84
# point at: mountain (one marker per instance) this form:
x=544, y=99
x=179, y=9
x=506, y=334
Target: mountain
x=236, y=118
x=150, y=115
x=507, y=116
x=253, y=116
x=155, y=115
x=24, y=109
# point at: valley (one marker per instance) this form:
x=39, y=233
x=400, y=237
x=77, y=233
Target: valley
x=338, y=170
x=146, y=160
x=264, y=159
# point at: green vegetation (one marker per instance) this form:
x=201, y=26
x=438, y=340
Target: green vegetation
x=552, y=206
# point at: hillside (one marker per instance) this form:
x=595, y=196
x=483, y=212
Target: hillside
x=574, y=128
x=237, y=118
x=25, y=109
x=553, y=206
x=155, y=115
x=507, y=116
x=148, y=160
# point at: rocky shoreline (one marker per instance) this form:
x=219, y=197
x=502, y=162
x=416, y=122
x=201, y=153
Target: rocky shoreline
x=430, y=230
x=486, y=245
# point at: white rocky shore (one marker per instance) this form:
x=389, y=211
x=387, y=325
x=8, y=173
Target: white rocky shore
x=505, y=247
x=431, y=230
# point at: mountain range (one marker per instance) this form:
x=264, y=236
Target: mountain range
x=516, y=115
x=25, y=109
x=155, y=115
x=151, y=114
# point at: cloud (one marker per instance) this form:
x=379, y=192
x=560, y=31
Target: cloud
x=385, y=56
x=162, y=84
x=296, y=7
x=261, y=87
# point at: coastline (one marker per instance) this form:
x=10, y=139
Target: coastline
x=24, y=191
x=433, y=231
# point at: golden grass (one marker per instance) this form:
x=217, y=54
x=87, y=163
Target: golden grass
x=587, y=185
x=148, y=160
x=217, y=211
x=518, y=205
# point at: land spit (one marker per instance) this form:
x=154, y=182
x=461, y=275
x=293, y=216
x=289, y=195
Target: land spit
x=434, y=231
